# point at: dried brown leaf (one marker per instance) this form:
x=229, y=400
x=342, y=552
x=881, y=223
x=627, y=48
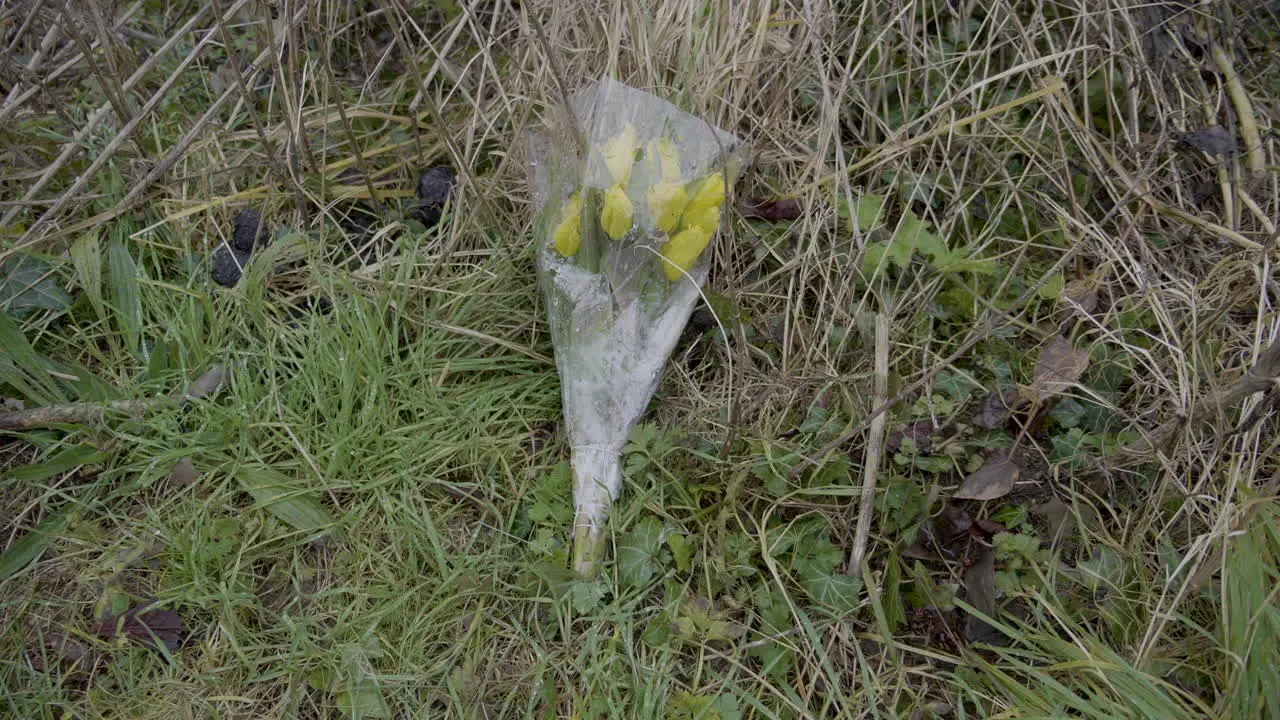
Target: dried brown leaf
x=58, y=650
x=1082, y=295
x=1060, y=365
x=183, y=474
x=997, y=407
x=1214, y=140
x=1058, y=519
x=980, y=592
x=144, y=625
x=986, y=529
x=771, y=209
x=921, y=432
x=993, y=480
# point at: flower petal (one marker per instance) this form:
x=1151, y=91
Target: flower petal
x=615, y=213
x=667, y=201
x=683, y=250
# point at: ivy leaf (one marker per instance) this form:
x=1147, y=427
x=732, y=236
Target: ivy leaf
x=814, y=554
x=638, y=559
x=836, y=589
x=957, y=386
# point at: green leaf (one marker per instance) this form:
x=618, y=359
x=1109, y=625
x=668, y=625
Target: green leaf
x=894, y=610
x=1011, y=516
x=814, y=556
x=681, y=552
x=27, y=283
x=917, y=234
x=872, y=258
x=30, y=546
x=1052, y=287
x=689, y=706
x=22, y=368
x=868, y=211
x=638, y=549
x=815, y=419
x=934, y=464
x=122, y=273
x=363, y=700
x=299, y=509
x=658, y=630
x=86, y=255
x=900, y=252
x=956, y=385
x=70, y=458
x=585, y=595
x=956, y=264
x=836, y=589
x=219, y=539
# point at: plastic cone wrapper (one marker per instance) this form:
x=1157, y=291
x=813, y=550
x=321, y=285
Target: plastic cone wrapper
x=627, y=201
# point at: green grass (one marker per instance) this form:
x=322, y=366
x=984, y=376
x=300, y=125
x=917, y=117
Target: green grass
x=381, y=521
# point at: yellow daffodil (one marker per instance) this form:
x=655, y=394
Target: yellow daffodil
x=615, y=212
x=708, y=219
x=568, y=233
x=682, y=251
x=710, y=194
x=667, y=201
x=620, y=154
x=665, y=160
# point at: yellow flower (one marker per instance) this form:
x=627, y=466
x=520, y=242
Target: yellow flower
x=683, y=249
x=707, y=219
x=568, y=233
x=710, y=194
x=620, y=154
x=665, y=159
x=666, y=203
x=615, y=213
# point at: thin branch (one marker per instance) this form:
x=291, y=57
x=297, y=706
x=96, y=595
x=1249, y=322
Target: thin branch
x=1264, y=375
x=874, y=450
x=86, y=412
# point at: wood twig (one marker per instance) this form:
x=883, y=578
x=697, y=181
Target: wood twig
x=1264, y=375
x=874, y=449
x=1255, y=158
x=87, y=412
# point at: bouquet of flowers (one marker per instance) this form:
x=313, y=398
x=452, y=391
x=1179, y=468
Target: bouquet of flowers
x=626, y=203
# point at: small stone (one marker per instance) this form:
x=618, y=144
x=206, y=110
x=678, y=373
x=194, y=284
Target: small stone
x=434, y=188
x=228, y=265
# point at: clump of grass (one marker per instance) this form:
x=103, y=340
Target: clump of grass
x=1037, y=141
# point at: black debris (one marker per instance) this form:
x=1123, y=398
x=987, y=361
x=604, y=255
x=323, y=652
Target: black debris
x=434, y=188
x=228, y=265
x=249, y=231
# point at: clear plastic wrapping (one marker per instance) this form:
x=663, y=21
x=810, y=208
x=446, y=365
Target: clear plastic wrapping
x=627, y=203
